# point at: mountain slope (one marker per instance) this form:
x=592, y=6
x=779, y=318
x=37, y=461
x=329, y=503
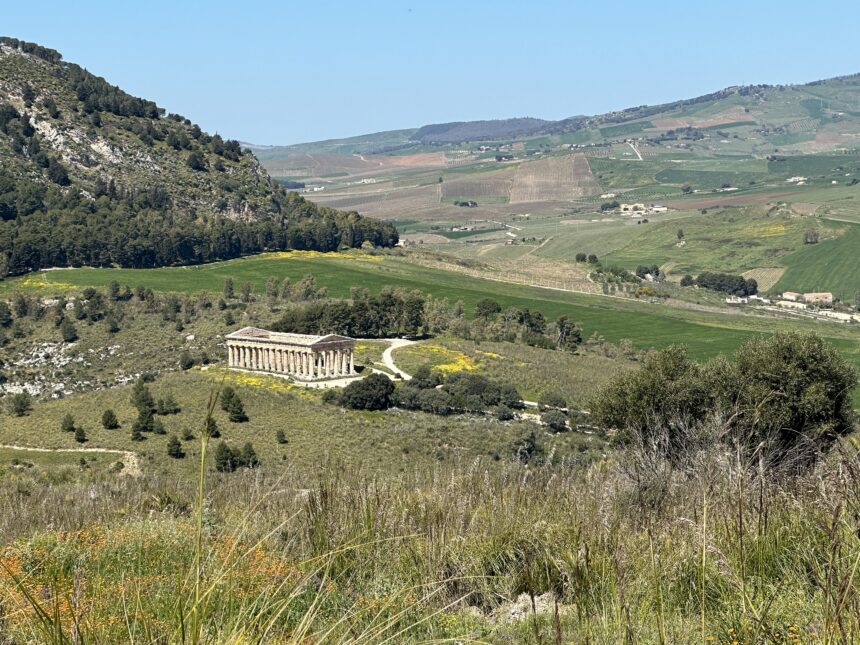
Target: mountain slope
x=92, y=175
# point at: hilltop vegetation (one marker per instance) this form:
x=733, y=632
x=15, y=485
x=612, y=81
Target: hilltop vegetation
x=82, y=157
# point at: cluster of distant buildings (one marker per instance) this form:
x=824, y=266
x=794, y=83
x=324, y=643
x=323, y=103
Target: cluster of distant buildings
x=816, y=304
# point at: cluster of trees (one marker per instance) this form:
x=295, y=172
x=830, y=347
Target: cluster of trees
x=785, y=398
x=390, y=313
x=44, y=227
x=430, y=392
x=397, y=312
x=643, y=271
x=735, y=285
x=68, y=425
x=228, y=459
x=591, y=258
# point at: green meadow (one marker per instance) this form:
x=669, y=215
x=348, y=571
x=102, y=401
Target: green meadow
x=646, y=324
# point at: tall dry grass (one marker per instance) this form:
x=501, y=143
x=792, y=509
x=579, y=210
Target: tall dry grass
x=633, y=549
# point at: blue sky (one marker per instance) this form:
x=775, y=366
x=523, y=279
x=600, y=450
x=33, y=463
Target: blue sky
x=287, y=72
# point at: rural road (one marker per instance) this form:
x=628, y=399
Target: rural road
x=388, y=359
x=129, y=459
x=388, y=355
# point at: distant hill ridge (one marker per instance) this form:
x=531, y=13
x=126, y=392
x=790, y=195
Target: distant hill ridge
x=92, y=175
x=456, y=132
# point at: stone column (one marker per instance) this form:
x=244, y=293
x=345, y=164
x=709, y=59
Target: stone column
x=329, y=367
x=243, y=357
x=336, y=362
x=351, y=363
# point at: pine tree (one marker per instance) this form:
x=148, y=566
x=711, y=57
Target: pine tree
x=236, y=411
x=158, y=427
x=68, y=423
x=80, y=435
x=229, y=294
x=174, y=448
x=141, y=398
x=249, y=456
x=212, y=428
x=109, y=420
x=135, y=434
x=226, y=460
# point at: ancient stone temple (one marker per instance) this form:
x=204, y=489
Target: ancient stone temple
x=299, y=355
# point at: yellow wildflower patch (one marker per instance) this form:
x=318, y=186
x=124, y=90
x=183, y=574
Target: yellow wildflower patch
x=765, y=229
x=313, y=255
x=268, y=382
x=489, y=354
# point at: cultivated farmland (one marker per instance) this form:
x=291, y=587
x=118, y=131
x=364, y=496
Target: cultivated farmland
x=553, y=179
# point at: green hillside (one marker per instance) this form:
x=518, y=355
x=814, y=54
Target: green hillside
x=90, y=175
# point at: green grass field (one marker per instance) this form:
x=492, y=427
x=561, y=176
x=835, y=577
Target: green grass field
x=317, y=433
x=646, y=324
x=831, y=265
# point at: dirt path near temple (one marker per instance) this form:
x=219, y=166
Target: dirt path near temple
x=131, y=463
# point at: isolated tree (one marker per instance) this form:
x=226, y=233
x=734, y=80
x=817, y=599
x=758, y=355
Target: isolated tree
x=229, y=294
x=581, y=257
x=280, y=437
x=174, y=448
x=680, y=234
x=68, y=331
x=113, y=290
x=109, y=420
x=246, y=290
x=80, y=435
x=688, y=281
x=592, y=259
x=810, y=237
x=67, y=424
x=236, y=410
x=20, y=404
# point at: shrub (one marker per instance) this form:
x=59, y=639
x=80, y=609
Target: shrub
x=68, y=331
x=786, y=396
x=551, y=400
x=281, y=438
x=80, y=435
x=186, y=362
x=158, y=427
x=555, y=420
x=504, y=413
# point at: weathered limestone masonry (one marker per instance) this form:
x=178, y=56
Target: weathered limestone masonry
x=299, y=355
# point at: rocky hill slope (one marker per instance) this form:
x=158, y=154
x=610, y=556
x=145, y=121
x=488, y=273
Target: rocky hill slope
x=92, y=175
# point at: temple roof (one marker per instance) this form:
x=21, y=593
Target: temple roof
x=301, y=340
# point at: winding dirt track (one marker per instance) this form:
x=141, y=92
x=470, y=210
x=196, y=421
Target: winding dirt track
x=129, y=459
